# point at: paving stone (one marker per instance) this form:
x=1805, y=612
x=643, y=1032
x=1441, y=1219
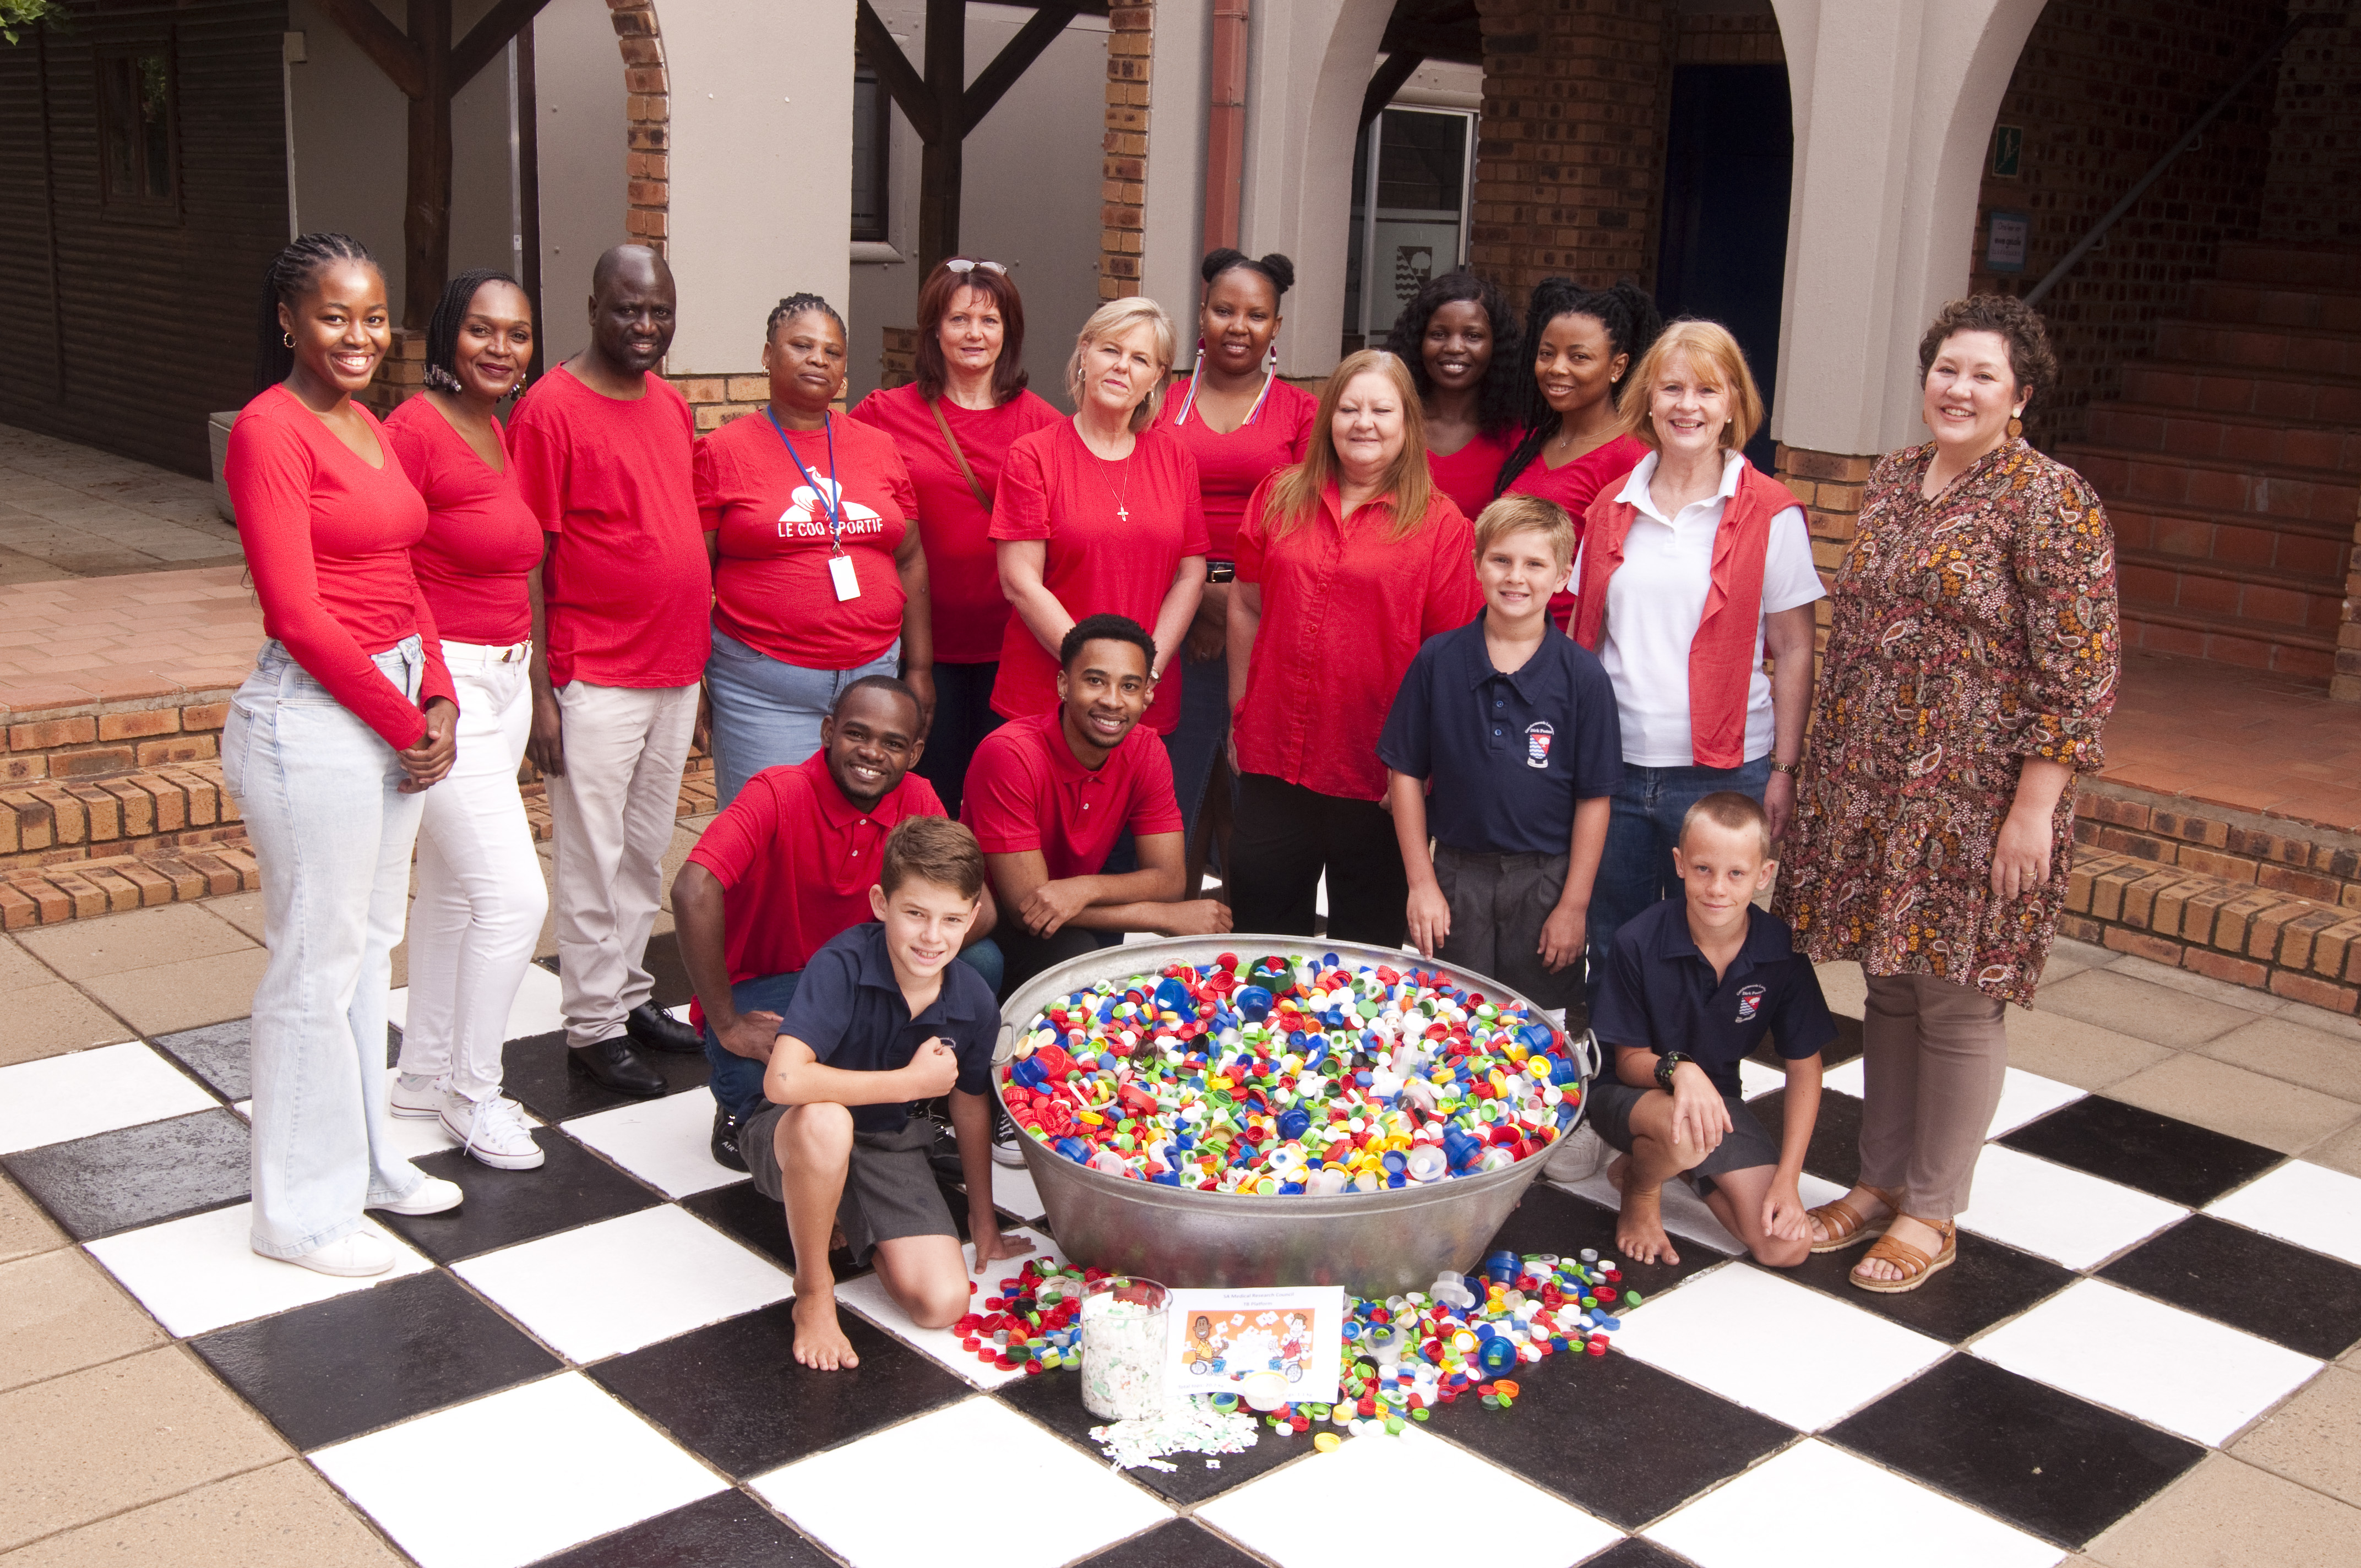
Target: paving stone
x=60, y=1313
x=281, y=1516
x=2223, y=1514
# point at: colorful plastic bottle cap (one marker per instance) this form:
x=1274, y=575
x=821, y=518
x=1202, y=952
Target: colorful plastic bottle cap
x=1264, y=1390
x=1327, y=1443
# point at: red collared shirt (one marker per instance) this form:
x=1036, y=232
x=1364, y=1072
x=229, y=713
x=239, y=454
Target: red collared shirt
x=797, y=860
x=1026, y=790
x=1344, y=607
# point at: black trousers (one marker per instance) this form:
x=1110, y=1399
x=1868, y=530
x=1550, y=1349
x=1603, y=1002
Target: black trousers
x=1286, y=836
x=963, y=716
x=1027, y=955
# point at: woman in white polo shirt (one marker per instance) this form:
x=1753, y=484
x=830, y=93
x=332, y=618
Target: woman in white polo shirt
x=1690, y=571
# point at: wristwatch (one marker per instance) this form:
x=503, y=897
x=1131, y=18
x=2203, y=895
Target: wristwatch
x=1665, y=1065
x=1779, y=767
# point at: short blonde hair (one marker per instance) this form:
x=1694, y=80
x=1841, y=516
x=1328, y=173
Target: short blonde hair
x=1526, y=514
x=1710, y=353
x=1118, y=318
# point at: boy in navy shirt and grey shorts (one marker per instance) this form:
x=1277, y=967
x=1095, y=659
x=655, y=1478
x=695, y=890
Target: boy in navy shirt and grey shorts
x=1693, y=986
x=1512, y=723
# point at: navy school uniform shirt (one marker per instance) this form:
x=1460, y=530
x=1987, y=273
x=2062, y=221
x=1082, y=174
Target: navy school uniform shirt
x=1660, y=994
x=1508, y=754
x=849, y=1010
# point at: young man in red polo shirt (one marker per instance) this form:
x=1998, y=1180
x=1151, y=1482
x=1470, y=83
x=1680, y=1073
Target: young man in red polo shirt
x=622, y=604
x=787, y=865
x=1048, y=796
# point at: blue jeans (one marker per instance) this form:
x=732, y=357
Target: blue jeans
x=1642, y=829
x=1204, y=728
x=766, y=713
x=333, y=834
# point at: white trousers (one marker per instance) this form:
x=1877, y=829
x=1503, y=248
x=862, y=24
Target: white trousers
x=613, y=808
x=480, y=899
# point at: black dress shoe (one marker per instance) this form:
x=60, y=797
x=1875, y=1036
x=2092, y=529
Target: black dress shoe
x=658, y=1030
x=616, y=1065
x=725, y=1139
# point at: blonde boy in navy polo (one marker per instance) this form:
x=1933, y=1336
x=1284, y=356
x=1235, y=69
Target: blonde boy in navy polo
x=1695, y=984
x=1512, y=724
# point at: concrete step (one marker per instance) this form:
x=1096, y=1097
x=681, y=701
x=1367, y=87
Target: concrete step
x=2316, y=553
x=2239, y=390
x=2294, y=651
x=2215, y=484
x=2306, y=350
x=2260, y=439
x=2291, y=265
x=2151, y=580
x=2231, y=301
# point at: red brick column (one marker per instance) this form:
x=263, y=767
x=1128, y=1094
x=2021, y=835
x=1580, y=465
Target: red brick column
x=1829, y=485
x=1122, y=171
x=647, y=112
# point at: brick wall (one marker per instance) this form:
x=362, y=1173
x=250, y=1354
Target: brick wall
x=1123, y=169
x=79, y=746
x=647, y=117
x=1729, y=41
x=1570, y=145
x=2313, y=190
x=2101, y=88
x=1829, y=485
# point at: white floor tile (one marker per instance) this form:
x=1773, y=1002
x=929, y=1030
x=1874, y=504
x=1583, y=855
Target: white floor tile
x=1013, y=1192
x=1846, y=1078
x=2023, y=1097
x=867, y=1297
x=667, y=1143
x=1776, y=1516
x=2174, y=1369
x=82, y=1093
x=857, y=1501
x=2307, y=1204
x=1754, y=1080
x=415, y=1136
x=1734, y=1332
x=2076, y=1219
x=535, y=1009
x=1298, y=1517
x=513, y=1477
x=199, y=1274
x=626, y=1282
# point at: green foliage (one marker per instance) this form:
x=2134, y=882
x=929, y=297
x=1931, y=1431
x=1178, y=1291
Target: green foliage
x=19, y=17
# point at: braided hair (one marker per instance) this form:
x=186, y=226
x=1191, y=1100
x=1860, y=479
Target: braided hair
x=450, y=314
x=292, y=275
x=1495, y=396
x=1278, y=269
x=1632, y=323
x=795, y=306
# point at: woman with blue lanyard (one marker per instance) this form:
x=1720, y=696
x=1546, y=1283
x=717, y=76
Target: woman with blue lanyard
x=818, y=574
x=1243, y=424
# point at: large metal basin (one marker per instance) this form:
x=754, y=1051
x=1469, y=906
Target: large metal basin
x=1373, y=1243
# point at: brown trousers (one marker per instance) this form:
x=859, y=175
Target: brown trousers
x=1934, y=1057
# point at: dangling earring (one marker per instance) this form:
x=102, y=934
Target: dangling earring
x=288, y=339
x=2015, y=427
x=1271, y=360
x=441, y=381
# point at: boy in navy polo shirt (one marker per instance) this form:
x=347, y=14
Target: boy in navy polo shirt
x=1691, y=988
x=881, y=1022
x=1512, y=723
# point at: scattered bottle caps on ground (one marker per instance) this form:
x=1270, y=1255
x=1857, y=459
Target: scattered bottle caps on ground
x=1295, y=1076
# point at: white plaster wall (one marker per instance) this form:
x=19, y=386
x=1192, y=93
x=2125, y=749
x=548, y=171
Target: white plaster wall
x=1172, y=242
x=579, y=90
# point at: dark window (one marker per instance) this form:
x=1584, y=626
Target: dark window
x=871, y=130
x=137, y=130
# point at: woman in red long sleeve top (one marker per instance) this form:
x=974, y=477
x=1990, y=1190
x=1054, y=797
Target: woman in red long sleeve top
x=347, y=717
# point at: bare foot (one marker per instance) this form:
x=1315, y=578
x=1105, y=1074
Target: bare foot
x=1925, y=1237
x=1863, y=1201
x=836, y=1242
x=1640, y=1226
x=820, y=1343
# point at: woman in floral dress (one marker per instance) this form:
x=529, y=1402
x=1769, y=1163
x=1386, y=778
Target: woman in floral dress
x=1971, y=661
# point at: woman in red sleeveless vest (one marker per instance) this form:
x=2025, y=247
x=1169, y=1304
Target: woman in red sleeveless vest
x=1690, y=571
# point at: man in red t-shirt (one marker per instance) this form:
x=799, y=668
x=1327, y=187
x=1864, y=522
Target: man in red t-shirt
x=621, y=601
x=1048, y=795
x=787, y=865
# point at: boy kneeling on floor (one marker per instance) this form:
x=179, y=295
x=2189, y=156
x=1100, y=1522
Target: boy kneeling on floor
x=1691, y=988
x=882, y=1022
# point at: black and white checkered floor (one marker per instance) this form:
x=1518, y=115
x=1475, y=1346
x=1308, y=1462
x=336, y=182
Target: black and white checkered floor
x=587, y=1364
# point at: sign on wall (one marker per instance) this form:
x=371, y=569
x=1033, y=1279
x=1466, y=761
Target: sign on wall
x=2007, y=152
x=2005, y=236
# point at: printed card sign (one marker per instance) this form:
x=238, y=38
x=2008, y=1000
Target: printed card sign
x=1283, y=1346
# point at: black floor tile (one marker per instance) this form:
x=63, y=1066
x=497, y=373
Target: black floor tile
x=539, y=1073
x=137, y=1176
x=1990, y=1282
x=761, y=1225
x=1842, y=1049
x=734, y=1392
x=216, y=1053
x=356, y=1363
x=2018, y=1449
x=1633, y=1552
x=571, y=1186
x=1549, y=1219
x=1054, y=1399
x=1645, y=1440
x=1183, y=1543
x=729, y=1530
x=2286, y=1294
x=1834, y=1154
x=2171, y=1158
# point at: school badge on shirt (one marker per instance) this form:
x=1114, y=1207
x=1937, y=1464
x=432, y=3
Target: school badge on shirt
x=1749, y=1001
x=1538, y=736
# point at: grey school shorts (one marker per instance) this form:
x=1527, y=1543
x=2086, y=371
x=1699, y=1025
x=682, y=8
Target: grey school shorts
x=1744, y=1146
x=889, y=1187
x=1499, y=904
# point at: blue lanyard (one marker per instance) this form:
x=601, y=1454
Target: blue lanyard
x=833, y=498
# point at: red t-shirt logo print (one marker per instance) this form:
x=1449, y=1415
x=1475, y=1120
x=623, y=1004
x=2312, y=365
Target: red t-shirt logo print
x=807, y=513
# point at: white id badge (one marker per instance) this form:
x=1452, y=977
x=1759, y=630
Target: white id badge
x=839, y=572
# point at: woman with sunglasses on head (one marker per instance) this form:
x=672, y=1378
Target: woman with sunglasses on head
x=954, y=427
x=480, y=897
x=1459, y=338
x=819, y=576
x=1242, y=423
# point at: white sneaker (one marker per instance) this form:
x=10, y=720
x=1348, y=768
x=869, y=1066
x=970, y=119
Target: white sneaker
x=351, y=1256
x=415, y=1096
x=491, y=1131
x=1577, y=1157
x=434, y=1196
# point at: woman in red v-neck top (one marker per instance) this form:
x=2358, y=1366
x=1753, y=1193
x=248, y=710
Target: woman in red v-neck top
x=347, y=717
x=480, y=896
x=1459, y=339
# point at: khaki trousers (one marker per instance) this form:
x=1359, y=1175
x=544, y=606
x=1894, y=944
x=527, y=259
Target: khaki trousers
x=1934, y=1056
x=613, y=810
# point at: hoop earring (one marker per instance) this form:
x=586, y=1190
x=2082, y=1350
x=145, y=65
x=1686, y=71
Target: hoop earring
x=2015, y=427
x=287, y=339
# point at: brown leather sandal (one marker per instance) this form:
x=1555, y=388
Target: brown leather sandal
x=1845, y=1225
x=1915, y=1264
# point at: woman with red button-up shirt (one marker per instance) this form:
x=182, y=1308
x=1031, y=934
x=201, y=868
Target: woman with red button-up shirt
x=1348, y=562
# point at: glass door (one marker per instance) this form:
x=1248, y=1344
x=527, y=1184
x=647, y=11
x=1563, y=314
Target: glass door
x=1412, y=175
